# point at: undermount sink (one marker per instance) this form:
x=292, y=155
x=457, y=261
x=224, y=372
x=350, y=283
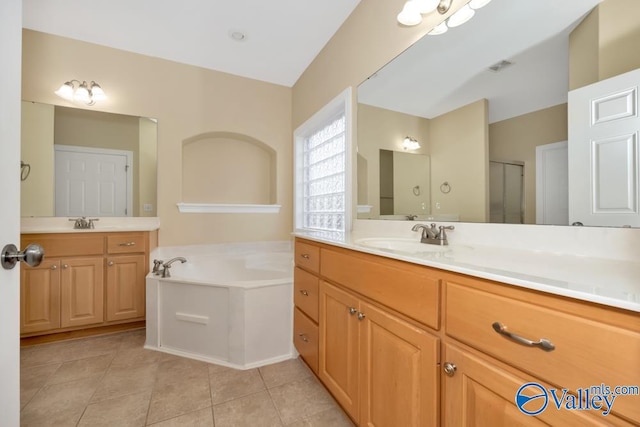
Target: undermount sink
x=408, y=246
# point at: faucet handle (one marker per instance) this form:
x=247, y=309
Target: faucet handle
x=442, y=234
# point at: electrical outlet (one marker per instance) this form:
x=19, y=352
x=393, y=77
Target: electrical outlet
x=437, y=205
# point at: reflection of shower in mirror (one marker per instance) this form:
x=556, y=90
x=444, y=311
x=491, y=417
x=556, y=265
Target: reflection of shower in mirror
x=25, y=170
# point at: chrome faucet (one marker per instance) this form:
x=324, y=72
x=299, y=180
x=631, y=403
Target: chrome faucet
x=167, y=265
x=83, y=223
x=433, y=235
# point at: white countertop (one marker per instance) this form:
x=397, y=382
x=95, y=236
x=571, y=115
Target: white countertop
x=605, y=281
x=31, y=225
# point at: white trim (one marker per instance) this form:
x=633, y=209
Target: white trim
x=227, y=208
x=342, y=102
x=128, y=154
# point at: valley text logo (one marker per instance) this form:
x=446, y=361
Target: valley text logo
x=533, y=398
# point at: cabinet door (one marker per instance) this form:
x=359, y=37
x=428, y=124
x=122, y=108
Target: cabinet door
x=39, y=297
x=399, y=371
x=480, y=393
x=338, y=368
x=125, y=287
x=81, y=291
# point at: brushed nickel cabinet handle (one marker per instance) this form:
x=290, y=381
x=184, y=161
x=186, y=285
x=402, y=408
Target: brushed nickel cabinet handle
x=304, y=292
x=305, y=256
x=449, y=369
x=543, y=343
x=352, y=310
x=127, y=244
x=303, y=337
x=361, y=316
x=110, y=263
x=65, y=265
x=54, y=267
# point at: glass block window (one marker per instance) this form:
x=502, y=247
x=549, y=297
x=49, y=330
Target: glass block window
x=322, y=158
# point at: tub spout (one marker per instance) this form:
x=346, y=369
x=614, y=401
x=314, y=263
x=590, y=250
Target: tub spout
x=167, y=265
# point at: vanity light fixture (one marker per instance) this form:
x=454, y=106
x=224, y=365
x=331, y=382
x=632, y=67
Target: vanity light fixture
x=411, y=13
x=464, y=14
x=87, y=93
x=410, y=143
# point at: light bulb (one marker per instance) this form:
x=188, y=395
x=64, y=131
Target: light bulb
x=97, y=94
x=440, y=29
x=426, y=6
x=82, y=93
x=410, y=15
x=65, y=91
x=477, y=4
x=461, y=16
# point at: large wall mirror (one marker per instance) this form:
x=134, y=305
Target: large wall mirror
x=77, y=162
x=486, y=105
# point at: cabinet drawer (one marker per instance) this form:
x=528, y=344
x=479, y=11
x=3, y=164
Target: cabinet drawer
x=305, y=293
x=125, y=243
x=586, y=352
x=305, y=338
x=307, y=256
x=71, y=244
x=410, y=289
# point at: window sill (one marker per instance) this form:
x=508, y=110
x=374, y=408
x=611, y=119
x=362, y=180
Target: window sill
x=227, y=208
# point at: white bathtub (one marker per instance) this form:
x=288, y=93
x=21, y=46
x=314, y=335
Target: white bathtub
x=229, y=304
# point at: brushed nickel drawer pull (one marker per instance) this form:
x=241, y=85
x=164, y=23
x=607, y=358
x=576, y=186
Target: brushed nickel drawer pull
x=303, y=337
x=127, y=244
x=543, y=343
x=305, y=256
x=304, y=292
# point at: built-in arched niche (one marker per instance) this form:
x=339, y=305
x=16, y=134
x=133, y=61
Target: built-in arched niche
x=225, y=172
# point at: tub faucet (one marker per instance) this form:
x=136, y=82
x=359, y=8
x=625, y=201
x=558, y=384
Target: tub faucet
x=156, y=266
x=433, y=235
x=167, y=265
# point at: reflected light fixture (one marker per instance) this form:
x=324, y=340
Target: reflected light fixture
x=464, y=14
x=412, y=11
x=87, y=93
x=410, y=143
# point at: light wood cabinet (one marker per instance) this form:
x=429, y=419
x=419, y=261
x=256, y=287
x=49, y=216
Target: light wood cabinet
x=67, y=291
x=392, y=333
x=125, y=296
x=81, y=291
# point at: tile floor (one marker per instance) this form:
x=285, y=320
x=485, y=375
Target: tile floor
x=113, y=381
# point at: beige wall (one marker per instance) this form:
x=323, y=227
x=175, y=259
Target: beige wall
x=516, y=139
x=606, y=43
x=187, y=101
x=147, y=168
x=36, y=192
x=384, y=129
x=458, y=144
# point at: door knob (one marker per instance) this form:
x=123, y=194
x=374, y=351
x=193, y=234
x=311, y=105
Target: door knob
x=32, y=255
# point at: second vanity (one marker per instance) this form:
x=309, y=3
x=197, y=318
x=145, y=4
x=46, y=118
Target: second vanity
x=425, y=339
x=89, y=278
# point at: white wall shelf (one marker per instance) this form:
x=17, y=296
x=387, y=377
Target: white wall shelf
x=227, y=208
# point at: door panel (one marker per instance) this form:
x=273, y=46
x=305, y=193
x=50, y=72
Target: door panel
x=10, y=87
x=125, y=287
x=604, y=157
x=91, y=183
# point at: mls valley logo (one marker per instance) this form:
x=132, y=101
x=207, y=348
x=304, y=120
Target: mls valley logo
x=533, y=398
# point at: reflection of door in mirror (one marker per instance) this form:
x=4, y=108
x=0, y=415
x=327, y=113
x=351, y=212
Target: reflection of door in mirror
x=506, y=192
x=404, y=184
x=47, y=126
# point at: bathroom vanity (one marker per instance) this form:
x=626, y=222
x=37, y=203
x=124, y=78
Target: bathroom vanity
x=88, y=279
x=413, y=342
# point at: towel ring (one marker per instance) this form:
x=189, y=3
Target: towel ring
x=416, y=190
x=445, y=187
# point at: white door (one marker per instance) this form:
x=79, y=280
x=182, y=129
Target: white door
x=92, y=182
x=10, y=52
x=552, y=184
x=603, y=152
